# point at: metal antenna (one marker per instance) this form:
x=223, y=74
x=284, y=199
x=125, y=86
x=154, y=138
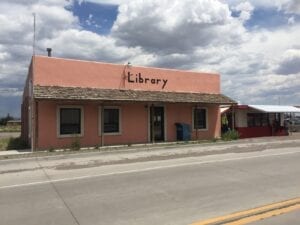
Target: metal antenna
x=33, y=44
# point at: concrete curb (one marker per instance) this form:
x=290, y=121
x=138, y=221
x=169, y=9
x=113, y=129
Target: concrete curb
x=151, y=148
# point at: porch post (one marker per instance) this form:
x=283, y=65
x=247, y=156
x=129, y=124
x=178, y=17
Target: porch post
x=152, y=123
x=233, y=117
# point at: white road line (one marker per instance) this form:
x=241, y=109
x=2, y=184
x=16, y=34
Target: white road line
x=144, y=170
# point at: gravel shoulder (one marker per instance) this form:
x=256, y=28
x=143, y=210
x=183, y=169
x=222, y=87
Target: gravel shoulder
x=84, y=160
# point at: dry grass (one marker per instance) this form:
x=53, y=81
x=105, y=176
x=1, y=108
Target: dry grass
x=10, y=128
x=12, y=143
x=4, y=143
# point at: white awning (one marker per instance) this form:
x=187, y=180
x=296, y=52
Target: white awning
x=224, y=109
x=276, y=108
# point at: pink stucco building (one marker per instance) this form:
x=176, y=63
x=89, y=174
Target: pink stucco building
x=108, y=104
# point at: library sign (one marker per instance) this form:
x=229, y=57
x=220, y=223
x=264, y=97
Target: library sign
x=138, y=78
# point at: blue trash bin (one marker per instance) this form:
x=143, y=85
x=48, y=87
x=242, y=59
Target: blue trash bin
x=183, y=132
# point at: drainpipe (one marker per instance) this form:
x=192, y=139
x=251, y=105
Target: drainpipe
x=290, y=125
x=233, y=117
x=102, y=125
x=36, y=132
x=31, y=105
x=196, y=121
x=270, y=125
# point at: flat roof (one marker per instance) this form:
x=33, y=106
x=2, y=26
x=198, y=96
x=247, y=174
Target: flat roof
x=122, y=65
x=275, y=108
x=129, y=95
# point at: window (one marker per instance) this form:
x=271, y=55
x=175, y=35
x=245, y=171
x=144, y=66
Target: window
x=70, y=121
x=111, y=120
x=257, y=119
x=199, y=118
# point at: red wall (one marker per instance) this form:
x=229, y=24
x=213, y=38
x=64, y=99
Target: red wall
x=249, y=132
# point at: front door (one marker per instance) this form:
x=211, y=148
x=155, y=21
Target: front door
x=157, y=121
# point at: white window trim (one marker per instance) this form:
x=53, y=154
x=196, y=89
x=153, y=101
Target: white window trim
x=206, y=117
x=58, y=121
x=100, y=122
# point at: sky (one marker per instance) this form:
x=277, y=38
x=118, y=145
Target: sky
x=254, y=45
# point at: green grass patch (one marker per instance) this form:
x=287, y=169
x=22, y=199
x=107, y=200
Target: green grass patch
x=230, y=135
x=10, y=128
x=12, y=144
x=75, y=145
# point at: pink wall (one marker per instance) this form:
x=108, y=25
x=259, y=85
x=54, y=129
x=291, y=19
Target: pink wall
x=182, y=113
x=134, y=117
x=214, y=124
x=51, y=71
x=177, y=113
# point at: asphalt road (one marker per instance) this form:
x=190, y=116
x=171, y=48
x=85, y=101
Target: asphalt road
x=285, y=219
x=175, y=191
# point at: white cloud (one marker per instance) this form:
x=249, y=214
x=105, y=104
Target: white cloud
x=177, y=26
x=273, y=44
x=4, y=92
x=256, y=3
x=16, y=37
x=260, y=66
x=290, y=63
x=192, y=35
x=245, y=9
x=266, y=89
x=82, y=44
x=289, y=6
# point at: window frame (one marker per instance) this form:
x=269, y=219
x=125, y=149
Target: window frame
x=100, y=120
x=257, y=117
x=59, y=135
x=206, y=119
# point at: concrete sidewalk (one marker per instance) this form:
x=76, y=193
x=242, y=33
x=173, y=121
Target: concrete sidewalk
x=162, y=150
x=14, y=152
x=83, y=159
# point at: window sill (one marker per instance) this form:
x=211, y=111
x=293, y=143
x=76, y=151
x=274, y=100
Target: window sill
x=117, y=133
x=69, y=135
x=205, y=129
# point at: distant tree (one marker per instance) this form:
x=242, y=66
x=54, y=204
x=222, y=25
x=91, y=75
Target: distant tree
x=3, y=121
